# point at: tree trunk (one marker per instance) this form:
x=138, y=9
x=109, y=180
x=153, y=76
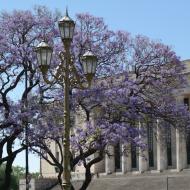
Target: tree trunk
x=72, y=187
x=88, y=178
x=8, y=171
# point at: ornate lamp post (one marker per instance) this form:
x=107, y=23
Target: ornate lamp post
x=89, y=63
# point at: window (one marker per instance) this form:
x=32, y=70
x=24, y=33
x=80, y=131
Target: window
x=169, y=145
x=133, y=156
x=150, y=144
x=117, y=156
x=186, y=102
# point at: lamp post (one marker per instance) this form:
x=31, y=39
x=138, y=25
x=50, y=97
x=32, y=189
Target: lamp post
x=26, y=135
x=89, y=63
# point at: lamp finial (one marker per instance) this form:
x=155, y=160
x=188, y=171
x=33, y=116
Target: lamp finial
x=66, y=12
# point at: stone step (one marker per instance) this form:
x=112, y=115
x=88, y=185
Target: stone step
x=178, y=181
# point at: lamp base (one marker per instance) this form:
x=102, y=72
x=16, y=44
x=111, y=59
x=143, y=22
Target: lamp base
x=66, y=186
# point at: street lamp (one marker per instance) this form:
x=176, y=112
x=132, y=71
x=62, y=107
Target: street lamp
x=66, y=28
x=44, y=53
x=89, y=64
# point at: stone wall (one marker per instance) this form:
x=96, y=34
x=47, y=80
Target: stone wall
x=37, y=184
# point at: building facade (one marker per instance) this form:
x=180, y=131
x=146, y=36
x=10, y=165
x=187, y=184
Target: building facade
x=166, y=149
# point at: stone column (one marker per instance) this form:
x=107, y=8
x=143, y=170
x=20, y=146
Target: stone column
x=143, y=154
x=161, y=148
x=110, y=160
x=126, y=158
x=181, y=152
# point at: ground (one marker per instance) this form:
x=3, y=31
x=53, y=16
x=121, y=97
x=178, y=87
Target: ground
x=168, y=180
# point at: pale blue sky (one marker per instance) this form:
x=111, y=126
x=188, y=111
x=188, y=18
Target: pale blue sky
x=165, y=20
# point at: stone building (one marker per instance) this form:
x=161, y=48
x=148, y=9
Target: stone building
x=172, y=154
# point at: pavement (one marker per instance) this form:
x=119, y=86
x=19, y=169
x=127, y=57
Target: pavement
x=146, y=181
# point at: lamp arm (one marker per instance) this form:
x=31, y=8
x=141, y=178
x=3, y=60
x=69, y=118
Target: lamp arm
x=46, y=80
x=57, y=76
x=59, y=72
x=77, y=77
x=44, y=70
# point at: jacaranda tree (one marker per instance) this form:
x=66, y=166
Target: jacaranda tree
x=135, y=79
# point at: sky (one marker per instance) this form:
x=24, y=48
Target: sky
x=165, y=20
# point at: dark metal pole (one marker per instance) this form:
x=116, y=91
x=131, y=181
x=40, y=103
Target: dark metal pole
x=26, y=133
x=41, y=164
